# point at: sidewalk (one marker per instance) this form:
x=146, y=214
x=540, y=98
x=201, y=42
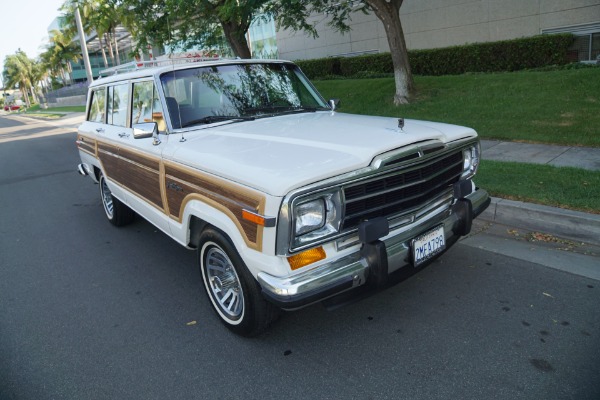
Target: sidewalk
x=568, y=224
x=558, y=156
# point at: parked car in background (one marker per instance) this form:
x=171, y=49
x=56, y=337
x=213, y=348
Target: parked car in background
x=12, y=107
x=287, y=201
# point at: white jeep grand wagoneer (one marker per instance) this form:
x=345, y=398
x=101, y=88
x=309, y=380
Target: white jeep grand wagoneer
x=287, y=201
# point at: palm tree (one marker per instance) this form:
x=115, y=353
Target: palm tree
x=18, y=72
x=49, y=63
x=65, y=50
x=100, y=17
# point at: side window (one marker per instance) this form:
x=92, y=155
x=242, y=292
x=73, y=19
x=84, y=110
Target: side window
x=118, y=99
x=97, y=106
x=146, y=105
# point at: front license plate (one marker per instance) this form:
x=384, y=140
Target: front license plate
x=428, y=245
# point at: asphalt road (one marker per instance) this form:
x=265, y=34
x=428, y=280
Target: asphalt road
x=90, y=311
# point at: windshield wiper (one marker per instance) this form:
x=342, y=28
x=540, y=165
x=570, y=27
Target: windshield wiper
x=217, y=118
x=283, y=109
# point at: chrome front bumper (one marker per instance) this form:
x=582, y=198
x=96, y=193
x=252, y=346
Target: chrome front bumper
x=361, y=267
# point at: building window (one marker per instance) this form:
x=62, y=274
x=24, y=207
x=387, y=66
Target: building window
x=586, y=46
x=262, y=38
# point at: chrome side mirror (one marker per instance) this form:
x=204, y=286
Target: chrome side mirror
x=146, y=130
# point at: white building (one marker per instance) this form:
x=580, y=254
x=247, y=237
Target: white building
x=441, y=23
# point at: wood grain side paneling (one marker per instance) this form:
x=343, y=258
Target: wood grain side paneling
x=109, y=157
x=86, y=144
x=169, y=186
x=141, y=175
x=183, y=184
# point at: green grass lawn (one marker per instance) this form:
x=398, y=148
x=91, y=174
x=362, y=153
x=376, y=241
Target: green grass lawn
x=51, y=112
x=557, y=107
x=571, y=188
x=36, y=108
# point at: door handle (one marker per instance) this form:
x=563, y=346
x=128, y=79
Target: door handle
x=123, y=135
x=100, y=130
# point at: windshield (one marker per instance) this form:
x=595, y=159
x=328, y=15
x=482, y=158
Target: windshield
x=237, y=92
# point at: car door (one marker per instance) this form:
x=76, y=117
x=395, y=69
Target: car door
x=98, y=142
x=140, y=157
x=94, y=124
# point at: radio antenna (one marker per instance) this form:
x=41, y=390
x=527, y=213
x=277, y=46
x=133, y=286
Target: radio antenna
x=171, y=56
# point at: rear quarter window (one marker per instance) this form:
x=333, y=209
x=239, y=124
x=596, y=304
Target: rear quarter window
x=97, y=105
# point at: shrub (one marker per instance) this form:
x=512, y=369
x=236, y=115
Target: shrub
x=320, y=67
x=377, y=63
x=507, y=55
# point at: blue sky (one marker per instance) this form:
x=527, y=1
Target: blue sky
x=25, y=25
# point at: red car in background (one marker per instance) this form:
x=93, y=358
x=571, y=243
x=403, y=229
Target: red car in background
x=13, y=107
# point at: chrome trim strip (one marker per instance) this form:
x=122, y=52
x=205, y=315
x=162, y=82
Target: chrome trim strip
x=83, y=169
x=269, y=221
x=397, y=224
x=400, y=187
x=384, y=160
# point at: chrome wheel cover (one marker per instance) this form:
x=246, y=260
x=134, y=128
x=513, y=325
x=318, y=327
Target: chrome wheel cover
x=223, y=283
x=107, y=199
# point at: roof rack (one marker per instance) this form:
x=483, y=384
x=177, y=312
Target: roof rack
x=163, y=62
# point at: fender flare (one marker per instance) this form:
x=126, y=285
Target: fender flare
x=222, y=219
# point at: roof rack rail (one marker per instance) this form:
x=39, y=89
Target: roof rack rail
x=163, y=62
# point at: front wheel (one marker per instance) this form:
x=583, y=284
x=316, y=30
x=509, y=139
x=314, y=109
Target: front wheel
x=117, y=213
x=233, y=292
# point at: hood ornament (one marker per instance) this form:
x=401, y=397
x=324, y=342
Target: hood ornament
x=401, y=123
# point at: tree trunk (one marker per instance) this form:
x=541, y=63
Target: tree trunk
x=389, y=14
x=63, y=75
x=25, y=96
x=33, y=95
x=70, y=71
x=236, y=37
x=114, y=35
x=110, y=49
x=103, y=51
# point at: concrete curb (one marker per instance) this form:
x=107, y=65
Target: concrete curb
x=574, y=225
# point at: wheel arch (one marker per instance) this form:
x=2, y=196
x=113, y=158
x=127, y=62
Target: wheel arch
x=201, y=215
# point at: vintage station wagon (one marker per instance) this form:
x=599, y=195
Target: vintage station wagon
x=287, y=201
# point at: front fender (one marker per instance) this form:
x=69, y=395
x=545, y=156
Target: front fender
x=249, y=247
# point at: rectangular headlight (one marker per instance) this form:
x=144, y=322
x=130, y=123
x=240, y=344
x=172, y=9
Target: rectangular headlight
x=310, y=216
x=316, y=217
x=471, y=158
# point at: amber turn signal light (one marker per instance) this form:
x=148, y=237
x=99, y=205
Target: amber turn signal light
x=306, y=257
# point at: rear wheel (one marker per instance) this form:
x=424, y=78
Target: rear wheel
x=117, y=213
x=233, y=292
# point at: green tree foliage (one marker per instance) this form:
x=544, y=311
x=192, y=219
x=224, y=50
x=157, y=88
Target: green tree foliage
x=100, y=17
x=64, y=50
x=191, y=23
x=19, y=73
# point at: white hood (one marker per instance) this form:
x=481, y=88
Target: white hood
x=276, y=155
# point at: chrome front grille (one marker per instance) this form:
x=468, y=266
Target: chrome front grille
x=401, y=191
